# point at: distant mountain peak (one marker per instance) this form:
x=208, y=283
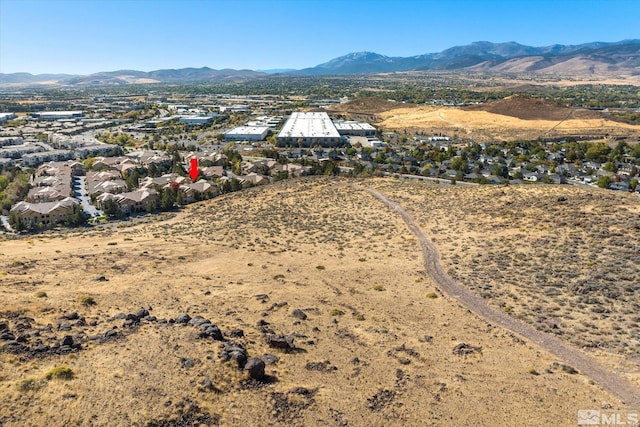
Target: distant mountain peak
x=483, y=56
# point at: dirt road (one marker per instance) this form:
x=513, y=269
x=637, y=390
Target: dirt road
x=606, y=378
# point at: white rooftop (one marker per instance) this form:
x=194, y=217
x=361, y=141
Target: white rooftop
x=247, y=130
x=309, y=125
x=353, y=125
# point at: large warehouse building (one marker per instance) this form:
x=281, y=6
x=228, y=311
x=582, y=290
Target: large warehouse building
x=309, y=129
x=354, y=128
x=247, y=133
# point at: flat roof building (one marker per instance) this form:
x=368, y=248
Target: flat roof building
x=7, y=116
x=196, y=120
x=247, y=133
x=355, y=128
x=309, y=129
x=57, y=115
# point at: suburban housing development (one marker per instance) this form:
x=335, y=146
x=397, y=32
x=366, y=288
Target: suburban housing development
x=115, y=157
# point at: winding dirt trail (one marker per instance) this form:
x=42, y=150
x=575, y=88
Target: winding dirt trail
x=606, y=378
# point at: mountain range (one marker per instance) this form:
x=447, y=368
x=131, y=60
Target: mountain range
x=510, y=57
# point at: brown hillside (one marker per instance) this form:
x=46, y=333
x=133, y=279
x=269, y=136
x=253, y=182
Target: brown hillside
x=94, y=332
x=369, y=105
x=526, y=108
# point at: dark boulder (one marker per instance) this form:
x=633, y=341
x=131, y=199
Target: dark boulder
x=284, y=342
x=142, y=313
x=212, y=331
x=183, y=318
x=70, y=316
x=299, y=314
x=255, y=368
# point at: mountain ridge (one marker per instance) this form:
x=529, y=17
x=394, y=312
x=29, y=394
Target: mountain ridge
x=480, y=56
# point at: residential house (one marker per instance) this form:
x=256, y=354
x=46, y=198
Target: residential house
x=47, y=214
x=132, y=202
x=35, y=159
x=200, y=190
x=161, y=182
x=212, y=172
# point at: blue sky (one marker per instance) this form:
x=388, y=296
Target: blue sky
x=86, y=36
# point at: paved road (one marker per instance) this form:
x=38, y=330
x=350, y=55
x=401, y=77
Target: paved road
x=80, y=190
x=606, y=378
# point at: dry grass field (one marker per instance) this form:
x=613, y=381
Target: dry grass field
x=484, y=125
x=93, y=332
x=564, y=259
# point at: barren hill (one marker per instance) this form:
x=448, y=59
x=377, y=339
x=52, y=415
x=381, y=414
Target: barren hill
x=527, y=108
x=368, y=105
x=149, y=323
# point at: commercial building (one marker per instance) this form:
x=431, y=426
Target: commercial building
x=57, y=115
x=354, y=128
x=247, y=133
x=7, y=116
x=196, y=120
x=309, y=129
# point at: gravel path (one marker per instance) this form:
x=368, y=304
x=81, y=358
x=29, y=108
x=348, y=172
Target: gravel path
x=606, y=378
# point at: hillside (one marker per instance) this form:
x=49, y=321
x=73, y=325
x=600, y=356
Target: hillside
x=527, y=108
x=374, y=341
x=515, y=117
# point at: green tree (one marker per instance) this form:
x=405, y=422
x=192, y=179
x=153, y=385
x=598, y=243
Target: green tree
x=598, y=152
x=167, y=199
x=112, y=209
x=604, y=181
x=458, y=164
x=77, y=218
x=610, y=167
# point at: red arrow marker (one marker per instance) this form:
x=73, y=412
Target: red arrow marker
x=194, y=172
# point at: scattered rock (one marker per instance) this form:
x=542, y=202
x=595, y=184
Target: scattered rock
x=240, y=357
x=183, y=318
x=263, y=326
x=67, y=340
x=270, y=359
x=236, y=333
x=101, y=279
x=299, y=314
x=325, y=366
x=70, y=316
x=6, y=336
x=207, y=386
x=211, y=331
x=464, y=349
x=142, y=313
x=198, y=321
x=187, y=363
x=380, y=400
x=255, y=367
x=284, y=342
